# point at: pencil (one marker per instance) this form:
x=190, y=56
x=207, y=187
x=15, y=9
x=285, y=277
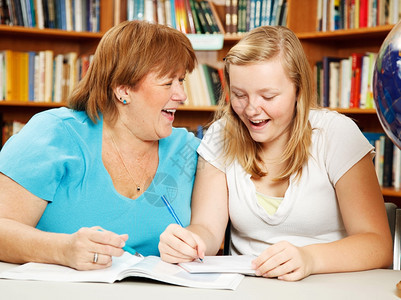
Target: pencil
x=172, y=212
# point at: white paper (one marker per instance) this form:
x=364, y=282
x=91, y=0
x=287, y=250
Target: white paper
x=221, y=264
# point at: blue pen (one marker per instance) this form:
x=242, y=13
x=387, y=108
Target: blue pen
x=132, y=251
x=172, y=212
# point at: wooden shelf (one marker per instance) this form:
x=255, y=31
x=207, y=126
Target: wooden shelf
x=391, y=191
x=198, y=108
x=360, y=33
x=31, y=104
x=368, y=111
x=20, y=31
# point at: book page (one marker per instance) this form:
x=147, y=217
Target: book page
x=50, y=272
x=127, y=265
x=221, y=264
x=154, y=268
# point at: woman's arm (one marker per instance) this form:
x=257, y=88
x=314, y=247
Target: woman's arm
x=21, y=242
x=209, y=219
x=369, y=242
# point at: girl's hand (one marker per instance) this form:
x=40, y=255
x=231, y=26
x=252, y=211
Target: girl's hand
x=284, y=261
x=178, y=244
x=93, y=248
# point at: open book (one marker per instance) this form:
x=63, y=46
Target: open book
x=125, y=266
x=221, y=264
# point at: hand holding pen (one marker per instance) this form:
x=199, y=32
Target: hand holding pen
x=178, y=244
x=92, y=248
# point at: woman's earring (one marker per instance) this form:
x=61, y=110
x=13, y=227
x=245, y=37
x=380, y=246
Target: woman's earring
x=123, y=101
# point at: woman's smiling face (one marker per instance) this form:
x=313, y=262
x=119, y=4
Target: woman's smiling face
x=153, y=103
x=264, y=98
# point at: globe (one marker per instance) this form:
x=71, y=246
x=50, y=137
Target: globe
x=387, y=85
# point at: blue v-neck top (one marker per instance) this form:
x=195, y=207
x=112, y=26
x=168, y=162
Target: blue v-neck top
x=57, y=156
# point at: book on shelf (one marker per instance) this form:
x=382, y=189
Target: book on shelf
x=181, y=18
x=318, y=75
x=356, y=67
x=210, y=18
x=234, y=15
x=330, y=80
x=199, y=91
x=364, y=81
x=227, y=10
x=11, y=75
x=212, y=82
x=127, y=265
x=169, y=11
x=334, y=84
x=385, y=160
x=10, y=128
x=397, y=168
x=353, y=14
x=388, y=152
x=266, y=12
x=48, y=75
x=379, y=159
x=203, y=86
x=40, y=76
x=194, y=14
x=204, y=24
x=2, y=75
x=215, y=17
x=4, y=14
x=135, y=9
x=345, y=82
x=242, y=18
x=78, y=15
x=190, y=17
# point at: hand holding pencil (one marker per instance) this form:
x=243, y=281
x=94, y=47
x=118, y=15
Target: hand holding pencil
x=178, y=244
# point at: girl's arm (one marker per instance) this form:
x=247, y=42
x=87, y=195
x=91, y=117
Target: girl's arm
x=205, y=234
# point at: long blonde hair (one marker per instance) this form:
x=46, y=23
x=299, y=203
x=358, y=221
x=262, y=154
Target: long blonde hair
x=263, y=44
x=125, y=54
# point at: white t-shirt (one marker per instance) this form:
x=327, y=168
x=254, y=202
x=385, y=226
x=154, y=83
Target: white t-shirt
x=309, y=212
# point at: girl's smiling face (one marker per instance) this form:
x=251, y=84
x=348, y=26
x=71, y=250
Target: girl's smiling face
x=264, y=98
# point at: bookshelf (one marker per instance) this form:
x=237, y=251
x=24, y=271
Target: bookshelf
x=340, y=43
x=19, y=38
x=301, y=18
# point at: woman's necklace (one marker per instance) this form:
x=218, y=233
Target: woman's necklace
x=138, y=187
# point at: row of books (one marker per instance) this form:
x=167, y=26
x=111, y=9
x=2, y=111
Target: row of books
x=40, y=76
x=350, y=14
x=10, y=128
x=244, y=15
x=73, y=15
x=188, y=16
x=203, y=85
x=387, y=160
x=345, y=82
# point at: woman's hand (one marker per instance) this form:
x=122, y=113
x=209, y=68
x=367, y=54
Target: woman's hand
x=90, y=244
x=284, y=261
x=178, y=244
